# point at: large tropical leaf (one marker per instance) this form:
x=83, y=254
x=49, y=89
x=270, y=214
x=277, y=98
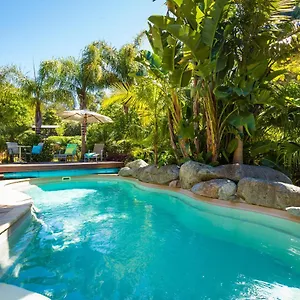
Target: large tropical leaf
x=246, y=120
x=214, y=11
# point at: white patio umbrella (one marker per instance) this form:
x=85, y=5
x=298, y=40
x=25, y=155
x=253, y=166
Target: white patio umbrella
x=84, y=117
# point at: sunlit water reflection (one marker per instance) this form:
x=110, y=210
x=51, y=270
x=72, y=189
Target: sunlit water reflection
x=112, y=240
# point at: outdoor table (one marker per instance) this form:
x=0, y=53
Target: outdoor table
x=20, y=151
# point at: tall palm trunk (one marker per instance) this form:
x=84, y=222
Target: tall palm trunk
x=83, y=136
x=238, y=155
x=38, y=117
x=83, y=105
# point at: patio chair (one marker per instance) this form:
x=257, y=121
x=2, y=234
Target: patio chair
x=35, y=150
x=12, y=149
x=69, y=152
x=97, y=152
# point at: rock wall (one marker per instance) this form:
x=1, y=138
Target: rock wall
x=251, y=184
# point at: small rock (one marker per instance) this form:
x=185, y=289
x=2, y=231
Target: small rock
x=193, y=172
x=223, y=189
x=125, y=172
x=174, y=184
x=139, y=163
x=295, y=211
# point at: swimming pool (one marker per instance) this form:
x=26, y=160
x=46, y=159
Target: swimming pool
x=112, y=239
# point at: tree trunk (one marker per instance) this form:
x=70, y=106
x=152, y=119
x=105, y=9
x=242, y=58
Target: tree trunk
x=196, y=108
x=238, y=155
x=156, y=143
x=155, y=140
x=212, y=130
x=83, y=137
x=176, y=117
x=83, y=106
x=172, y=135
x=38, y=118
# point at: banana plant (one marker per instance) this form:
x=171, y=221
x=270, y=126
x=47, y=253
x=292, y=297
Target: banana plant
x=230, y=48
x=249, y=85
x=169, y=82
x=198, y=26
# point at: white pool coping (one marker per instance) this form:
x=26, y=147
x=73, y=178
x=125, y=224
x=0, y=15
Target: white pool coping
x=12, y=292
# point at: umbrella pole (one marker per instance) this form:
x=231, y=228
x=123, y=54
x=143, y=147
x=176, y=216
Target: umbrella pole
x=83, y=136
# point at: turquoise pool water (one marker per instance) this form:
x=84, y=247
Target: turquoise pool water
x=116, y=240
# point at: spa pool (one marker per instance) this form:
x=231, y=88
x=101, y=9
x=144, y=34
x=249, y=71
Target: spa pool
x=114, y=239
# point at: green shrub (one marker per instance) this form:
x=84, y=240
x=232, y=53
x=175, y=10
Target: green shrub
x=29, y=138
x=71, y=128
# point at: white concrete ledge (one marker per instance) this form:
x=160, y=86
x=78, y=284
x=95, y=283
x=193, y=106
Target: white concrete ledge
x=17, y=203
x=11, y=292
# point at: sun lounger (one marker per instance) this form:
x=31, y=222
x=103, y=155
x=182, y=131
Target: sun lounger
x=69, y=152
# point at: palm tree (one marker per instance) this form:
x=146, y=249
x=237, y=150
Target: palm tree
x=87, y=76
x=42, y=90
x=145, y=97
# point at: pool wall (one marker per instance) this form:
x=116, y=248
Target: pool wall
x=59, y=173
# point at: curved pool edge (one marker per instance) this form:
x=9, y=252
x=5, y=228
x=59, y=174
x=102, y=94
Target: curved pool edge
x=23, y=202
x=17, y=209
x=16, y=204
x=216, y=202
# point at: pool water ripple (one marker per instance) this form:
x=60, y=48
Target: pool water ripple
x=112, y=240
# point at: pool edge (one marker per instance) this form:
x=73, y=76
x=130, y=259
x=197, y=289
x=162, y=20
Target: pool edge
x=217, y=202
x=19, y=205
x=18, y=211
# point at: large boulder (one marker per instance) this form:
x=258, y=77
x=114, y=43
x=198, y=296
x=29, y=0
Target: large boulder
x=125, y=172
x=153, y=174
x=139, y=163
x=216, y=188
x=193, y=172
x=268, y=193
x=294, y=211
x=236, y=172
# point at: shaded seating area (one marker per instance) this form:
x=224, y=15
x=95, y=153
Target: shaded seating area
x=23, y=153
x=96, y=154
x=70, y=152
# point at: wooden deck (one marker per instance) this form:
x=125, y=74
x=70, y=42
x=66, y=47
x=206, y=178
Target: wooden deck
x=6, y=168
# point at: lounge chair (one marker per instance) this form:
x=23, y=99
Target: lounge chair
x=69, y=152
x=12, y=149
x=97, y=152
